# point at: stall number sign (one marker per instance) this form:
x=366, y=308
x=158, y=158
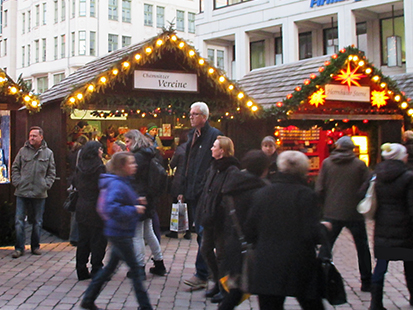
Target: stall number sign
x=343, y=93
x=166, y=81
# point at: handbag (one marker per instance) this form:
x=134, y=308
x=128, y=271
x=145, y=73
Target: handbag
x=179, y=217
x=368, y=205
x=71, y=200
x=332, y=286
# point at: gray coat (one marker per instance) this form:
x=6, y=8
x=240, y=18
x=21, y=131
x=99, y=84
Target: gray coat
x=338, y=185
x=33, y=171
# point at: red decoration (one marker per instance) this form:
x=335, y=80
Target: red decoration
x=279, y=104
x=349, y=76
x=289, y=96
x=313, y=76
x=298, y=88
x=365, y=121
x=334, y=56
x=306, y=82
x=326, y=63
x=343, y=50
x=345, y=120
x=321, y=69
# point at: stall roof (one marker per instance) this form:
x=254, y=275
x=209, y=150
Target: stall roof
x=405, y=83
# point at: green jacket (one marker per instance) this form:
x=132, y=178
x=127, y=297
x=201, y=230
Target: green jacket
x=33, y=171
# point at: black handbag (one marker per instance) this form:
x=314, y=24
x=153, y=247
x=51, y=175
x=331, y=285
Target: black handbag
x=332, y=286
x=71, y=200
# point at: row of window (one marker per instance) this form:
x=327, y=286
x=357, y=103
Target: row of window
x=43, y=82
x=160, y=18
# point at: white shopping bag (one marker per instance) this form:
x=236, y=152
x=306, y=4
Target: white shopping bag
x=179, y=217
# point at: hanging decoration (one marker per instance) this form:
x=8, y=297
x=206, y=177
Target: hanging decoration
x=318, y=98
x=378, y=98
x=349, y=76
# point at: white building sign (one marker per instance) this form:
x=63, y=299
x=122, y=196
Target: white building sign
x=165, y=81
x=343, y=93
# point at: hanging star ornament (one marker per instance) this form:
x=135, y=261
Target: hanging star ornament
x=349, y=76
x=378, y=98
x=318, y=98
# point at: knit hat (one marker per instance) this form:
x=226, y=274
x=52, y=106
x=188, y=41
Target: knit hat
x=408, y=135
x=268, y=139
x=393, y=151
x=152, y=126
x=345, y=143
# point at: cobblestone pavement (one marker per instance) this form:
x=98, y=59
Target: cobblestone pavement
x=49, y=281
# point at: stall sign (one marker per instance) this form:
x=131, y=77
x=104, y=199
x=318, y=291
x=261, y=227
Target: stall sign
x=345, y=93
x=166, y=81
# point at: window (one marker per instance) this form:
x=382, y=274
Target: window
x=63, y=46
x=56, y=12
x=82, y=8
x=28, y=55
x=180, y=20
x=223, y=3
x=220, y=59
x=330, y=43
x=257, y=54
x=305, y=45
x=216, y=57
x=386, y=30
x=72, y=50
x=42, y=84
x=73, y=8
x=63, y=12
x=23, y=22
x=36, y=55
x=58, y=77
x=43, y=50
x=211, y=56
x=92, y=8
x=126, y=11
x=23, y=55
x=361, y=32
x=29, y=20
x=92, y=43
x=147, y=8
x=5, y=18
x=56, y=48
x=112, y=42
x=201, y=6
x=126, y=41
x=278, y=50
x=160, y=16
x=44, y=14
x=113, y=9
x=37, y=21
x=191, y=22
x=82, y=42
x=5, y=47
x=29, y=84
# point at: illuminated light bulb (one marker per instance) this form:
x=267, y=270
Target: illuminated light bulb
x=2, y=79
x=126, y=64
x=361, y=63
x=326, y=63
x=289, y=96
x=79, y=96
x=90, y=88
x=306, y=82
x=201, y=61
x=383, y=85
x=174, y=38
x=345, y=120
x=365, y=121
x=397, y=98
x=155, y=115
x=298, y=88
x=334, y=56
x=181, y=45
x=211, y=70
x=321, y=69
x=148, y=50
x=368, y=70
x=72, y=100
x=219, y=121
x=410, y=112
x=343, y=50
x=238, y=108
x=159, y=42
x=138, y=111
x=13, y=90
x=138, y=56
x=249, y=103
x=222, y=79
x=279, y=104
x=404, y=105
x=143, y=114
x=232, y=117
x=103, y=79
x=27, y=98
x=191, y=53
x=231, y=87
x=390, y=92
x=355, y=58
x=350, y=57
x=126, y=114
x=313, y=76
x=115, y=71
x=254, y=108
x=34, y=104
x=375, y=78
x=240, y=95
x=226, y=113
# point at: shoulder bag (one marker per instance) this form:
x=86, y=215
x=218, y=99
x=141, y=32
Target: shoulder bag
x=368, y=205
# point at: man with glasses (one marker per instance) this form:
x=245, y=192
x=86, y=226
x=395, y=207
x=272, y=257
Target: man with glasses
x=198, y=158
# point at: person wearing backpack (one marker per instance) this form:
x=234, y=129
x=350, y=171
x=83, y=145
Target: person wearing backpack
x=144, y=152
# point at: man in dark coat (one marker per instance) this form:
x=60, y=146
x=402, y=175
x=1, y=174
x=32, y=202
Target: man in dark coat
x=198, y=157
x=338, y=185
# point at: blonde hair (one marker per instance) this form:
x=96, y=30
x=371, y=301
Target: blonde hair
x=118, y=162
x=227, y=145
x=293, y=162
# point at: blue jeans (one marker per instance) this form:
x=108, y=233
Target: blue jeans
x=381, y=269
x=36, y=205
x=122, y=249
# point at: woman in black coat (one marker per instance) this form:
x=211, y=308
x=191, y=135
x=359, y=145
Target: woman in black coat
x=283, y=224
x=211, y=211
x=91, y=239
x=393, y=233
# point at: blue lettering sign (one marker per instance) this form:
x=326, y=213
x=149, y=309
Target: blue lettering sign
x=322, y=2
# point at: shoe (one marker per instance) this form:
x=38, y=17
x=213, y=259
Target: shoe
x=159, y=268
x=172, y=234
x=188, y=235
x=217, y=298
x=73, y=243
x=83, y=274
x=36, y=252
x=196, y=283
x=366, y=286
x=17, y=254
x=212, y=292
x=88, y=306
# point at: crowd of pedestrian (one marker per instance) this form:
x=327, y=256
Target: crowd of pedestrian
x=260, y=205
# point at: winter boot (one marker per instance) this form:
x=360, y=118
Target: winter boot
x=213, y=291
x=231, y=300
x=158, y=269
x=376, y=297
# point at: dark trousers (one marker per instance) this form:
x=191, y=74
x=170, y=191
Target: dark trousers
x=381, y=268
x=122, y=249
x=212, y=249
x=359, y=233
x=91, y=242
x=200, y=264
x=272, y=302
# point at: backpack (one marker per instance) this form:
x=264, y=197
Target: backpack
x=157, y=177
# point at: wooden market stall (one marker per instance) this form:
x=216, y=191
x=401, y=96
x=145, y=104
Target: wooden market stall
x=154, y=81
x=308, y=105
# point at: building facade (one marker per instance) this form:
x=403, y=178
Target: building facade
x=239, y=36
x=46, y=40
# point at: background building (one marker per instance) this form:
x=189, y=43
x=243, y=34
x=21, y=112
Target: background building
x=46, y=40
x=239, y=36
